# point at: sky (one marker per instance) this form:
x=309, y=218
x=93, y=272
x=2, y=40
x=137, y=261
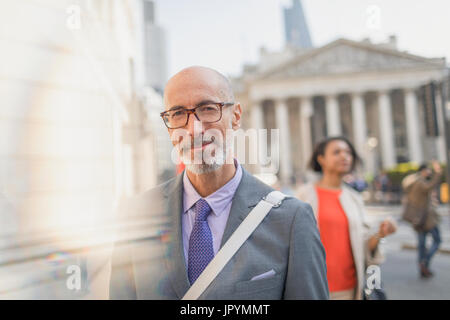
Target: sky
x=225, y=34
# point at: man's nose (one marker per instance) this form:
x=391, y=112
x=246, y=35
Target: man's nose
x=194, y=127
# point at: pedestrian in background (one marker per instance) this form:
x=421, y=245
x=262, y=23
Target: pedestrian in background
x=420, y=212
x=340, y=213
x=383, y=186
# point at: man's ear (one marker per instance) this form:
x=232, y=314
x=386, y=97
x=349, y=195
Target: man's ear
x=236, y=117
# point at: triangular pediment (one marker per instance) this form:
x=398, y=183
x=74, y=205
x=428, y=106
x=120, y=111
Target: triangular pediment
x=346, y=56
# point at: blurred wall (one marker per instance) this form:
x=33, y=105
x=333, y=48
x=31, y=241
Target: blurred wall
x=74, y=133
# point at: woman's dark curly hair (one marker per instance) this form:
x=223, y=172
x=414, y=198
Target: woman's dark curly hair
x=320, y=151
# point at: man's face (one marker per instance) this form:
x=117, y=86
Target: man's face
x=201, y=146
x=426, y=173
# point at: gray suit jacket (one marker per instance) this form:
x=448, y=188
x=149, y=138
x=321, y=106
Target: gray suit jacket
x=287, y=241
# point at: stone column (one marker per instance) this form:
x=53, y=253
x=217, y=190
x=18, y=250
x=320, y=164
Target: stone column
x=387, y=142
x=333, y=116
x=282, y=121
x=257, y=147
x=359, y=124
x=257, y=116
x=306, y=111
x=413, y=126
x=440, y=140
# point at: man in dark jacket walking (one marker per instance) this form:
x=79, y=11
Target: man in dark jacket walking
x=420, y=213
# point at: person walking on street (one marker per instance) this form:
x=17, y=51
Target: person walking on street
x=420, y=212
x=349, y=245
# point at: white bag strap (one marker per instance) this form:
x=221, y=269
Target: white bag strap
x=239, y=236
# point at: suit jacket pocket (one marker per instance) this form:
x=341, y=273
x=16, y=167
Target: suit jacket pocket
x=258, y=285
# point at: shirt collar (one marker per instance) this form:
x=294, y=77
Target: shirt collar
x=217, y=200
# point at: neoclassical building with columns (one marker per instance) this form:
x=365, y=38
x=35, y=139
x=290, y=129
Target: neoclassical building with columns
x=370, y=93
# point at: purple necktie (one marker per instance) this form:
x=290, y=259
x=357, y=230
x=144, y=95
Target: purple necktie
x=200, y=242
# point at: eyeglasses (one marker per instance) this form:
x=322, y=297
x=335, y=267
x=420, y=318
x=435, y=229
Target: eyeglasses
x=206, y=112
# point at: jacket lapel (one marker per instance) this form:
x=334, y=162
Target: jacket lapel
x=175, y=259
x=249, y=192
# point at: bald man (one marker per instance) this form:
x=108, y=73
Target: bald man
x=282, y=259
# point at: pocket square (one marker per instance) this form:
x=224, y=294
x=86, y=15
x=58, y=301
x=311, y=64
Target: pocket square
x=264, y=275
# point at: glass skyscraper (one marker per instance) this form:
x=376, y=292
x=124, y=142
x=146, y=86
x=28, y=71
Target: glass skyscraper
x=295, y=26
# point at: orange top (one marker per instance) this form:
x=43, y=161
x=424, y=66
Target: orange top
x=335, y=236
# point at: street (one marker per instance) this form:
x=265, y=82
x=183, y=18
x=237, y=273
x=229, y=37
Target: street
x=400, y=276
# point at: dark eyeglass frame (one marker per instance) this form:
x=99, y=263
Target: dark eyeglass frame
x=192, y=111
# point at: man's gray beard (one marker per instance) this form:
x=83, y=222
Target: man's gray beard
x=217, y=162
x=203, y=168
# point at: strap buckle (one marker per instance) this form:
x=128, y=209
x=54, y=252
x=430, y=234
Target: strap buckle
x=275, y=198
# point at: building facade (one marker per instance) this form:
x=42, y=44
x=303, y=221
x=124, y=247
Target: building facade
x=155, y=49
x=370, y=93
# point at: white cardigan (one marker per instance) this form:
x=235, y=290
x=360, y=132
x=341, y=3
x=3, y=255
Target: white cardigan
x=353, y=206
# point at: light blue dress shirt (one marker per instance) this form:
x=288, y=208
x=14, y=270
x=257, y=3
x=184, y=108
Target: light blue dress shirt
x=220, y=203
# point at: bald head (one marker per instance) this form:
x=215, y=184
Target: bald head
x=204, y=90
x=193, y=82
